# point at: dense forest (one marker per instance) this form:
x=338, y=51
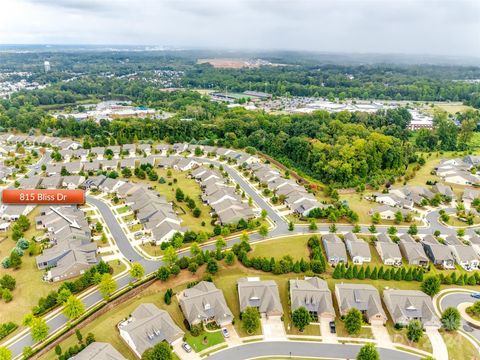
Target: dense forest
x=341, y=149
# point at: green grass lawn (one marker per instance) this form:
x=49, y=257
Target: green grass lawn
x=117, y=266
x=191, y=188
x=295, y=246
x=458, y=347
x=135, y=228
x=400, y=337
x=122, y=210
x=30, y=286
x=365, y=332
x=104, y=326
x=128, y=218
x=205, y=340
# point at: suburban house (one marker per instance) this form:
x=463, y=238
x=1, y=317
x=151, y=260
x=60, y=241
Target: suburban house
x=99, y=351
x=128, y=163
x=313, y=294
x=51, y=182
x=204, y=303
x=13, y=212
x=260, y=294
x=468, y=196
x=461, y=178
x=393, y=200
x=32, y=182
x=363, y=297
x=71, y=251
x=358, y=249
x=439, y=254
x=443, y=190
x=464, y=255
x=475, y=243
x=389, y=251
x=128, y=149
x=334, y=249
x=407, y=305
x=148, y=326
x=412, y=251
x=72, y=181
x=388, y=212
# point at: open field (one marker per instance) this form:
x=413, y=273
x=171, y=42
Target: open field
x=226, y=63
x=297, y=244
x=458, y=347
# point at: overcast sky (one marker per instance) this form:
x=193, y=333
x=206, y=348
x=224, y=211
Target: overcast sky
x=448, y=27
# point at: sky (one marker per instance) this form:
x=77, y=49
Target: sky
x=436, y=27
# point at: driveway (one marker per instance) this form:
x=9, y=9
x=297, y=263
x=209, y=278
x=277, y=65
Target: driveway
x=327, y=336
x=380, y=333
x=233, y=339
x=182, y=354
x=440, y=351
x=273, y=328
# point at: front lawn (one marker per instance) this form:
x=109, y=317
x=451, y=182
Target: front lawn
x=205, y=340
x=458, y=347
x=400, y=337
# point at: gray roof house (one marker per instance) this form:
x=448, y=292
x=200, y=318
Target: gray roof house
x=148, y=326
x=313, y=294
x=443, y=190
x=468, y=196
x=334, y=249
x=389, y=251
x=407, y=305
x=364, y=297
x=261, y=294
x=412, y=251
x=204, y=303
x=99, y=351
x=439, y=254
x=358, y=249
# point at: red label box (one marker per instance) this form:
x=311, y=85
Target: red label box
x=44, y=197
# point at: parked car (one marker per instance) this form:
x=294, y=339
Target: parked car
x=186, y=347
x=333, y=329
x=225, y=333
x=467, y=328
x=476, y=295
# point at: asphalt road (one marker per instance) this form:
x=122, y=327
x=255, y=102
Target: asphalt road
x=455, y=299
x=302, y=349
x=281, y=228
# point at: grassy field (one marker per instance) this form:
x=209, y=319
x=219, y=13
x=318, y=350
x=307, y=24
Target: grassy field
x=400, y=337
x=104, y=327
x=191, y=188
x=453, y=108
x=458, y=347
x=30, y=286
x=276, y=248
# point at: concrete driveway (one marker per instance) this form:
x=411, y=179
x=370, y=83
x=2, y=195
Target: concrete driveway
x=273, y=328
x=182, y=354
x=233, y=339
x=325, y=330
x=380, y=333
x=440, y=351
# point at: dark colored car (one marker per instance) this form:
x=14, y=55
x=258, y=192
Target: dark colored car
x=333, y=329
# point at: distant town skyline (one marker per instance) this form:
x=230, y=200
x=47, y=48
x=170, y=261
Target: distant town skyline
x=434, y=27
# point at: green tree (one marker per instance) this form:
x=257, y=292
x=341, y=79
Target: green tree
x=263, y=214
x=291, y=226
x=73, y=307
x=5, y=354
x=368, y=352
x=353, y=321
x=107, y=285
x=451, y=319
x=220, y=244
x=170, y=255
x=137, y=271
x=250, y=320
x=431, y=285
x=263, y=230
x=414, y=330
x=39, y=329
x=160, y=351
x=301, y=318
x=376, y=218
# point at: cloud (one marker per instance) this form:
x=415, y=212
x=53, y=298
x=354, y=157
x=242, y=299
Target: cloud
x=450, y=27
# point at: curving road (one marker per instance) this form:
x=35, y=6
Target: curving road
x=455, y=299
x=58, y=321
x=301, y=349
